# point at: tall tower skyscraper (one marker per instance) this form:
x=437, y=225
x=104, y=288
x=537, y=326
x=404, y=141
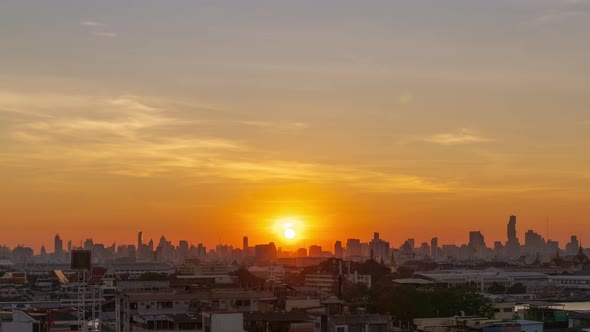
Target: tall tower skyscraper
x=512, y=243
x=338, y=249
x=511, y=229
x=245, y=243
x=58, y=244
x=139, y=240
x=434, y=247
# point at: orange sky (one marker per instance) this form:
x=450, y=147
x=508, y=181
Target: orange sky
x=208, y=121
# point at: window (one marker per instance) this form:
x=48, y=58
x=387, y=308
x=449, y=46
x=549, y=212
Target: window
x=165, y=305
x=340, y=329
x=133, y=305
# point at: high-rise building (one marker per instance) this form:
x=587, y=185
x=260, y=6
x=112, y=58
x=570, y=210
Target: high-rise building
x=265, y=253
x=139, y=240
x=512, y=243
x=301, y=252
x=434, y=247
x=379, y=249
x=315, y=251
x=477, y=243
x=245, y=243
x=353, y=248
x=183, y=248
x=534, y=243
x=58, y=245
x=572, y=247
x=338, y=249
x=88, y=244
x=511, y=229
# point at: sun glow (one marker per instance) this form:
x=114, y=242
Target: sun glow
x=290, y=233
x=288, y=227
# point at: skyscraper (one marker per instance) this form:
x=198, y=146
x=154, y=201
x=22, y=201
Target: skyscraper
x=338, y=249
x=434, y=247
x=315, y=251
x=353, y=248
x=58, y=244
x=511, y=230
x=572, y=247
x=139, y=240
x=245, y=243
x=512, y=243
x=477, y=243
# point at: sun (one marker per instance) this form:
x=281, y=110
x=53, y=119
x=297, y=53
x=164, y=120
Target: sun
x=290, y=233
x=288, y=227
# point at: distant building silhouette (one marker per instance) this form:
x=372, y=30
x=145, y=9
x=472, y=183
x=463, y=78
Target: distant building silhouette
x=434, y=247
x=477, y=244
x=512, y=243
x=315, y=251
x=572, y=247
x=353, y=248
x=265, y=253
x=338, y=250
x=58, y=245
x=301, y=252
x=511, y=229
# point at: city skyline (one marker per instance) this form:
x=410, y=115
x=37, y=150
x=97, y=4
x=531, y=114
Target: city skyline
x=212, y=120
x=511, y=243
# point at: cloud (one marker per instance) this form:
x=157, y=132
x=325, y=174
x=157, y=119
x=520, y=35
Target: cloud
x=275, y=125
x=92, y=24
x=135, y=136
x=553, y=17
x=462, y=136
x=105, y=34
x=98, y=29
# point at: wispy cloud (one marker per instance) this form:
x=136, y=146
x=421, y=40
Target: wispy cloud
x=275, y=125
x=98, y=29
x=92, y=24
x=105, y=34
x=134, y=137
x=462, y=136
x=556, y=16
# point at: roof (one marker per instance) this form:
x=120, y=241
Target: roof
x=290, y=316
x=199, y=294
x=356, y=319
x=543, y=304
x=410, y=281
x=159, y=296
x=60, y=276
x=6, y=262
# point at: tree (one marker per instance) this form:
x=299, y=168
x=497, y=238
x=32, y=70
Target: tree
x=356, y=295
x=407, y=302
x=517, y=288
x=497, y=289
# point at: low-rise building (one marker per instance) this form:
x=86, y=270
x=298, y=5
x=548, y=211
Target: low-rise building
x=350, y=323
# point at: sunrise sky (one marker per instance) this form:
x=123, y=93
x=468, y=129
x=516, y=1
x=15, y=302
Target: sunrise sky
x=208, y=120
